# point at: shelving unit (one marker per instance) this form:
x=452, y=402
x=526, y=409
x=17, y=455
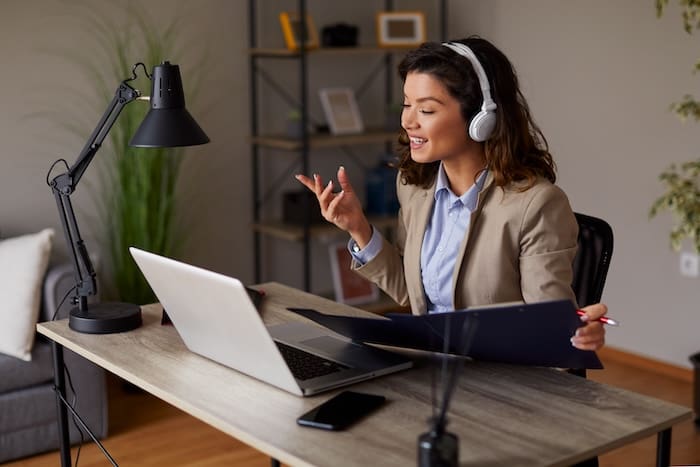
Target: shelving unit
x=303, y=146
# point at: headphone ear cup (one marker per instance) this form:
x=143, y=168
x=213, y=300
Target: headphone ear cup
x=482, y=125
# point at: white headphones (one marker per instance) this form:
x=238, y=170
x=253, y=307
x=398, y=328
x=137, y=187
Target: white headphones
x=484, y=122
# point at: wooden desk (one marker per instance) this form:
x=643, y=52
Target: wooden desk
x=503, y=415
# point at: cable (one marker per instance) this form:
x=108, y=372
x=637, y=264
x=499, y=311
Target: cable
x=79, y=423
x=48, y=174
x=55, y=313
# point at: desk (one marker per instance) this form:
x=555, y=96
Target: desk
x=503, y=415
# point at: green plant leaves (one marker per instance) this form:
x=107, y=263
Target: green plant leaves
x=137, y=190
x=682, y=198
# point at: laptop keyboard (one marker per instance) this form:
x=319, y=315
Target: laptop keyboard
x=305, y=365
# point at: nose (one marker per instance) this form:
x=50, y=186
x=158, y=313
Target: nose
x=408, y=120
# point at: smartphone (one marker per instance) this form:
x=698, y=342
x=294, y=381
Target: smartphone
x=341, y=411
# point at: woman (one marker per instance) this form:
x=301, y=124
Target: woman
x=481, y=220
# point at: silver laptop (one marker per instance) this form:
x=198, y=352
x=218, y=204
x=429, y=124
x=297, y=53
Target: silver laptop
x=216, y=318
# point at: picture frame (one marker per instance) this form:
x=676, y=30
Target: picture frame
x=291, y=29
x=349, y=288
x=400, y=28
x=341, y=111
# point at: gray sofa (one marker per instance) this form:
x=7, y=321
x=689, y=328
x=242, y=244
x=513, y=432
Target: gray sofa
x=28, y=410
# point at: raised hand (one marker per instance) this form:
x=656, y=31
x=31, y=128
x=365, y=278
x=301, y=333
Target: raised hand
x=341, y=208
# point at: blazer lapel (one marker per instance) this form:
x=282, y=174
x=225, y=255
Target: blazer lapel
x=422, y=206
x=465, y=241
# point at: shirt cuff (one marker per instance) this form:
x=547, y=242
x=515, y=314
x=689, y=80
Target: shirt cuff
x=370, y=251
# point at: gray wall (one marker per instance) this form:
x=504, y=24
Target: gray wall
x=37, y=39
x=599, y=77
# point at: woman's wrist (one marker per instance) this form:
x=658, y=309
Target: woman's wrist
x=363, y=235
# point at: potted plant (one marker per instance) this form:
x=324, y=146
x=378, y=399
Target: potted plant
x=294, y=127
x=136, y=196
x=681, y=198
x=682, y=195
x=682, y=182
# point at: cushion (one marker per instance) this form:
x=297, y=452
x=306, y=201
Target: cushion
x=24, y=260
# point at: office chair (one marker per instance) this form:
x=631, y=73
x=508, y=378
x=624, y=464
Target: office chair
x=592, y=260
x=591, y=263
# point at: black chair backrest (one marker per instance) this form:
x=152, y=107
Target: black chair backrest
x=595, y=247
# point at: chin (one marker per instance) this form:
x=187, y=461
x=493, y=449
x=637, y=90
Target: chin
x=421, y=159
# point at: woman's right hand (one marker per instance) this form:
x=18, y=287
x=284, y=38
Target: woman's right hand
x=343, y=208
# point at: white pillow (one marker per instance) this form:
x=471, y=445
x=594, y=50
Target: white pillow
x=23, y=262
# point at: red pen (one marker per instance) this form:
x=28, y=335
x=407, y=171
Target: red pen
x=602, y=319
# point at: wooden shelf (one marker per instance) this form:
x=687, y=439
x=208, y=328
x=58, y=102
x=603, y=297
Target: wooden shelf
x=295, y=232
x=286, y=53
x=326, y=140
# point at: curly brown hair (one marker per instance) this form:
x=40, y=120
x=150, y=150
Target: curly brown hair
x=517, y=150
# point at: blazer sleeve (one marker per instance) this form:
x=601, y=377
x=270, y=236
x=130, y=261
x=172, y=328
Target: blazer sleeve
x=387, y=268
x=548, y=244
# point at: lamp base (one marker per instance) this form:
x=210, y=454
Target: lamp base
x=105, y=318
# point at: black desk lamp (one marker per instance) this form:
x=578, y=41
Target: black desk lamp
x=167, y=124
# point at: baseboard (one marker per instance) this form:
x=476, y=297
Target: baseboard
x=645, y=363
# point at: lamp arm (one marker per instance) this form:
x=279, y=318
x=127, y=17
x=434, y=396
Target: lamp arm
x=63, y=186
x=122, y=96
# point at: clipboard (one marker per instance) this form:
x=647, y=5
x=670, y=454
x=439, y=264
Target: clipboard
x=535, y=334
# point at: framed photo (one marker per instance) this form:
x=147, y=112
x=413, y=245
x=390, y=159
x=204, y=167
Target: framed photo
x=341, y=111
x=291, y=28
x=350, y=288
x=400, y=28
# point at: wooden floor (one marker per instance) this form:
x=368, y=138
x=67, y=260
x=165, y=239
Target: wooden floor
x=145, y=431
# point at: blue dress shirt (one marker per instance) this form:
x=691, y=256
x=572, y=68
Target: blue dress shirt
x=448, y=225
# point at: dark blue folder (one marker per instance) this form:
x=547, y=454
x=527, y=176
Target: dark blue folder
x=535, y=334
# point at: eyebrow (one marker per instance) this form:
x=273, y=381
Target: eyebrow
x=425, y=99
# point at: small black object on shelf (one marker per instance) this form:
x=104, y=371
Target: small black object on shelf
x=298, y=205
x=339, y=35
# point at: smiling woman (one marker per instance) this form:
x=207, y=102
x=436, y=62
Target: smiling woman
x=481, y=219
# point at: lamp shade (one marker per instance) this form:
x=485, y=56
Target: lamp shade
x=168, y=123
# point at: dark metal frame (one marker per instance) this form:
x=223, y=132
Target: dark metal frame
x=302, y=57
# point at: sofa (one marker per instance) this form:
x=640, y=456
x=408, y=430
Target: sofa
x=28, y=410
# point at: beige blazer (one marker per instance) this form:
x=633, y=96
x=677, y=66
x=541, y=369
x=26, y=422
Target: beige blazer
x=520, y=247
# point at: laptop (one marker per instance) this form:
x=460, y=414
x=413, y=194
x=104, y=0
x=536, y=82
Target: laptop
x=216, y=318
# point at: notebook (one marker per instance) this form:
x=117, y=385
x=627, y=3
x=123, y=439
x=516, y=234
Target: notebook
x=216, y=318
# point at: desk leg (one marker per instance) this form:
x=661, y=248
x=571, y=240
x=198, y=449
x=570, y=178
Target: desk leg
x=60, y=383
x=663, y=448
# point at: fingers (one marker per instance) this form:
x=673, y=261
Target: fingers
x=594, y=312
x=325, y=196
x=343, y=180
x=314, y=184
x=306, y=181
x=329, y=202
x=589, y=337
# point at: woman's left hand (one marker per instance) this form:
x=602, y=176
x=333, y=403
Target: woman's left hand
x=592, y=335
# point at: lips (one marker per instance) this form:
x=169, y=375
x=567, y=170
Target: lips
x=417, y=142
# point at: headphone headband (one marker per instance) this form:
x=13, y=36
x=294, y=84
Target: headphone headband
x=484, y=122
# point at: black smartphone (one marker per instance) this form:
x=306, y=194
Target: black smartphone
x=341, y=411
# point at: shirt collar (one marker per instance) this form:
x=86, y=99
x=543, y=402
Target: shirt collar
x=469, y=198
